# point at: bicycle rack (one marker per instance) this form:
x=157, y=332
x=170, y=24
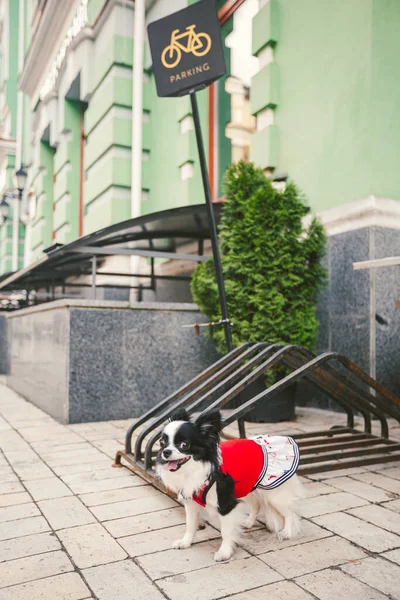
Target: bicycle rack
x=220, y=384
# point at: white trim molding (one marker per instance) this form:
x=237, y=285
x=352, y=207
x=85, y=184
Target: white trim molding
x=377, y=263
x=7, y=146
x=367, y=212
x=54, y=19
x=79, y=22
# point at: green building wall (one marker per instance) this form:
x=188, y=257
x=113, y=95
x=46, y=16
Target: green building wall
x=5, y=241
x=224, y=114
x=94, y=9
x=108, y=130
x=11, y=83
x=108, y=151
x=331, y=86
x=170, y=149
x=66, y=190
x=107, y=126
x=385, y=99
x=41, y=236
x=335, y=92
x=9, y=87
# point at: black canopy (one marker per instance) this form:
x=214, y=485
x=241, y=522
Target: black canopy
x=157, y=235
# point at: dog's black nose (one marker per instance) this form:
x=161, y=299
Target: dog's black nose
x=167, y=453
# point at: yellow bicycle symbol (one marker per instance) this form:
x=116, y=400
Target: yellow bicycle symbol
x=198, y=44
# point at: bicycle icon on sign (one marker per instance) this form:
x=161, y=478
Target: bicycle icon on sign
x=198, y=44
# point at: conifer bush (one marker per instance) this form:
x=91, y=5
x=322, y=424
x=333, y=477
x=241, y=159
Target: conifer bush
x=271, y=262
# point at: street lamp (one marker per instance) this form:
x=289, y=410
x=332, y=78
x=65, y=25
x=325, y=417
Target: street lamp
x=20, y=178
x=4, y=210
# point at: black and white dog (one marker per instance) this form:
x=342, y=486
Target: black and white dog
x=257, y=474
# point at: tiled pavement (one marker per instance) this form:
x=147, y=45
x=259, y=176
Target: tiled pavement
x=73, y=528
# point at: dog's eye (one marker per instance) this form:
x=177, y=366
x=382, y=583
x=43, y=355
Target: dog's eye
x=185, y=446
x=162, y=443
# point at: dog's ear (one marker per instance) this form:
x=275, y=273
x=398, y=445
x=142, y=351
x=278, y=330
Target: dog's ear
x=210, y=424
x=180, y=415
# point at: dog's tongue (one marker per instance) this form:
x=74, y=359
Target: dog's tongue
x=171, y=465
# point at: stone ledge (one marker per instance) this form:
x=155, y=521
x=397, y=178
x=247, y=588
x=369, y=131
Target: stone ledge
x=372, y=211
x=111, y=304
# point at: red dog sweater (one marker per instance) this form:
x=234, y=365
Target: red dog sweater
x=264, y=462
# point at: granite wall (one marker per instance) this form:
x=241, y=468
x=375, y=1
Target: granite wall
x=3, y=344
x=92, y=361
x=386, y=282
x=38, y=354
x=357, y=311
x=98, y=360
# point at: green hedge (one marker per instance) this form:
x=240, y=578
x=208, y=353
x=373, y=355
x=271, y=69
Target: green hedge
x=271, y=262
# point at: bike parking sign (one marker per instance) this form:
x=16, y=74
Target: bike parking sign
x=186, y=49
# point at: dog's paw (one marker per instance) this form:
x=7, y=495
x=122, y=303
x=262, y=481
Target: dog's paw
x=223, y=554
x=249, y=523
x=181, y=544
x=284, y=535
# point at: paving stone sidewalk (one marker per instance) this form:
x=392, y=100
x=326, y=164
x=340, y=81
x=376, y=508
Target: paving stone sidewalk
x=73, y=528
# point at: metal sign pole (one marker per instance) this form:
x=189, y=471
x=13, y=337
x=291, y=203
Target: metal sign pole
x=195, y=30
x=213, y=226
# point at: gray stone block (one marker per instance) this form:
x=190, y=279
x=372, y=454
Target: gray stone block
x=38, y=358
x=349, y=289
x=350, y=336
x=346, y=310
x=387, y=317
x=81, y=362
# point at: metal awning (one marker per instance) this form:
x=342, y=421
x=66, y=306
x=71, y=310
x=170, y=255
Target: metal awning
x=157, y=235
